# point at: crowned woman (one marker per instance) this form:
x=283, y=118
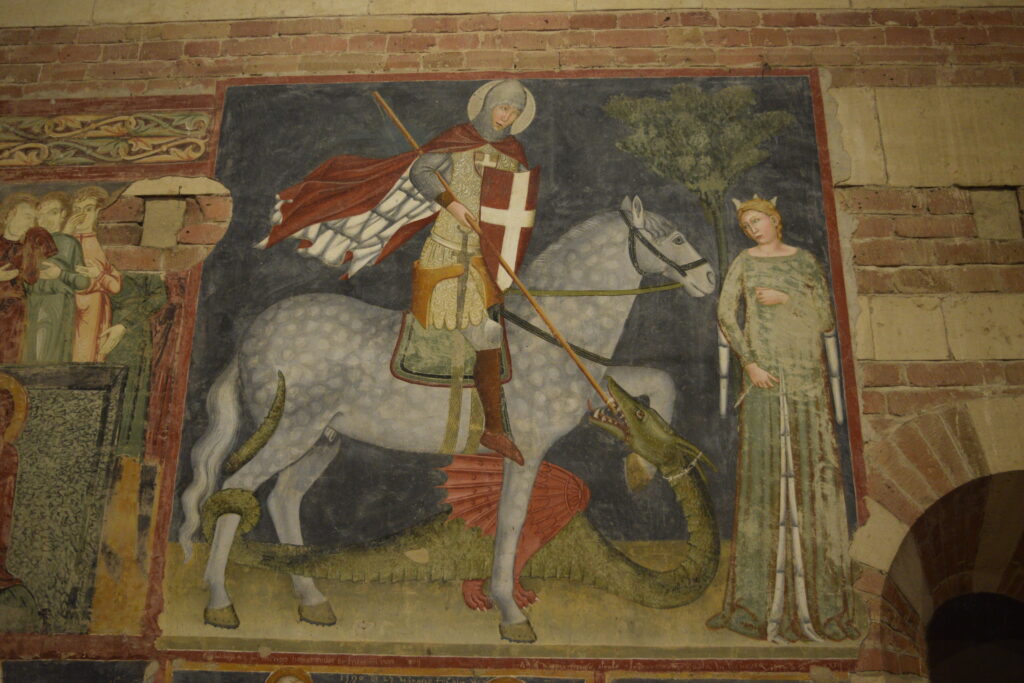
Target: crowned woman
x=790, y=575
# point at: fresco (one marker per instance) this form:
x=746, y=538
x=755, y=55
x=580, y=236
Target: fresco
x=331, y=438
x=306, y=408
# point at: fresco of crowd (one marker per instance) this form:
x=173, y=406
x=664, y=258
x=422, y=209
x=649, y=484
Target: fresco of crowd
x=55, y=280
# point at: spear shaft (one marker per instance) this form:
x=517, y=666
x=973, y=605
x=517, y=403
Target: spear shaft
x=508, y=269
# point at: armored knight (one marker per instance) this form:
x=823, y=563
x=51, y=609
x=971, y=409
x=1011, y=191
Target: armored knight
x=352, y=211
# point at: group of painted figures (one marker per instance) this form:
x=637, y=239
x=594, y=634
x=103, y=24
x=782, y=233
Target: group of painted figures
x=790, y=576
x=55, y=280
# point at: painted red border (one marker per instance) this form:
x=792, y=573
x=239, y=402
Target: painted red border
x=22, y=646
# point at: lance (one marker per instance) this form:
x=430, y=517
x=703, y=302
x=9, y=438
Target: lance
x=504, y=264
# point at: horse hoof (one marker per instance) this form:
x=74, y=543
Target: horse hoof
x=221, y=617
x=320, y=614
x=518, y=633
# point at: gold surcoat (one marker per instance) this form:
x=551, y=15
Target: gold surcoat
x=441, y=284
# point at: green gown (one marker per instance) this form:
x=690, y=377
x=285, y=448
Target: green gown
x=49, y=336
x=785, y=340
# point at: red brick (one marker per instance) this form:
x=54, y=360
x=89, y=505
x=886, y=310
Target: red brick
x=892, y=252
x=987, y=54
x=400, y=62
x=886, y=17
x=961, y=36
x=870, y=659
x=269, y=65
x=80, y=53
x=742, y=57
x=202, y=48
x=63, y=34
x=633, y=55
x=876, y=280
x=774, y=37
x=519, y=40
x=728, y=37
x=908, y=36
x=696, y=18
x=444, y=60
x=938, y=17
x=19, y=73
x=458, y=41
x=15, y=36
x=252, y=29
x=874, y=226
x=309, y=44
x=123, y=51
x=860, y=36
x=119, y=233
x=63, y=72
x=368, y=43
x=256, y=46
x=306, y=26
x=746, y=18
x=685, y=36
x=909, y=402
x=829, y=56
x=533, y=22
x=620, y=38
x=182, y=257
x=945, y=374
x=940, y=440
x=124, y=210
x=999, y=17
x=872, y=402
x=128, y=70
x=688, y=56
x=935, y=226
x=648, y=20
x=892, y=498
x=410, y=43
x=844, y=18
x=485, y=22
x=572, y=39
x=500, y=59
x=593, y=21
x=917, y=453
x=537, y=60
x=378, y=25
x=789, y=56
x=870, y=581
x=202, y=233
x=977, y=76
x=949, y=200
x=881, y=200
x=200, y=67
x=881, y=374
x=435, y=24
x=192, y=30
x=12, y=92
x=1008, y=35
x=894, y=54
x=161, y=50
x=812, y=36
x=102, y=34
x=126, y=258
x=181, y=86
x=789, y=19
x=32, y=54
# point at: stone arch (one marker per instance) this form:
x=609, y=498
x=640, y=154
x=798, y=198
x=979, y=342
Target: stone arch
x=942, y=491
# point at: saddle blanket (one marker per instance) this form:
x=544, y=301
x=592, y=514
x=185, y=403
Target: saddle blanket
x=427, y=356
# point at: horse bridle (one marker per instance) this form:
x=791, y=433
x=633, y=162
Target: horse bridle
x=636, y=236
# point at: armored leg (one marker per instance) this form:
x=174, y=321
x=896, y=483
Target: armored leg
x=487, y=373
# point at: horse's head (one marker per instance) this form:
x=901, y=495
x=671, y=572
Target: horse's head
x=667, y=251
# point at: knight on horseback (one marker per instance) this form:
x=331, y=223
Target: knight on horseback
x=352, y=211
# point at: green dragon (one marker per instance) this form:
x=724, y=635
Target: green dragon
x=443, y=550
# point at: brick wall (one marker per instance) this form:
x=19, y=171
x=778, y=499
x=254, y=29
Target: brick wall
x=859, y=47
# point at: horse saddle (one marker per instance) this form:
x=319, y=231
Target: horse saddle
x=428, y=356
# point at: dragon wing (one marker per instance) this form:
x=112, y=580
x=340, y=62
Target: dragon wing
x=360, y=239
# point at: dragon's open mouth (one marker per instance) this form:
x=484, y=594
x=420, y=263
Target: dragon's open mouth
x=612, y=421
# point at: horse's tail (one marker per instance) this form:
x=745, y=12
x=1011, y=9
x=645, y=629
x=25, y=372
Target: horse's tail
x=223, y=407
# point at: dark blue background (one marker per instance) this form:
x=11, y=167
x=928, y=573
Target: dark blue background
x=273, y=135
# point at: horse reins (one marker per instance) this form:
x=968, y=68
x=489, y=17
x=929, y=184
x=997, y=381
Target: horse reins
x=634, y=236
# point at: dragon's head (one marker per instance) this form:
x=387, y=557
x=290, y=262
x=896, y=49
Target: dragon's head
x=645, y=431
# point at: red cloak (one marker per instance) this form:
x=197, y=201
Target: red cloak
x=349, y=185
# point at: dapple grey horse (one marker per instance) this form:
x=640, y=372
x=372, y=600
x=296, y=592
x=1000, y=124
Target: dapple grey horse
x=334, y=352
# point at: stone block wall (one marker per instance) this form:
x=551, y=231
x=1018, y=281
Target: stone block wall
x=926, y=142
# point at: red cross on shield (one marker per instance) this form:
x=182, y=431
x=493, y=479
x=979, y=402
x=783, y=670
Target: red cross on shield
x=508, y=206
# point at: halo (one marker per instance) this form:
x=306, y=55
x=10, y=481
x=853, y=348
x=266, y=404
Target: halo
x=476, y=103
x=20, y=397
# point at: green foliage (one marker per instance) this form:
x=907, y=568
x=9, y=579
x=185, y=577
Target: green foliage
x=704, y=141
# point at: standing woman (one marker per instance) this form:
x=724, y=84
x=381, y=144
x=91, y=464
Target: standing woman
x=790, y=576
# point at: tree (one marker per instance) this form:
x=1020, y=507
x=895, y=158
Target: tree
x=705, y=141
